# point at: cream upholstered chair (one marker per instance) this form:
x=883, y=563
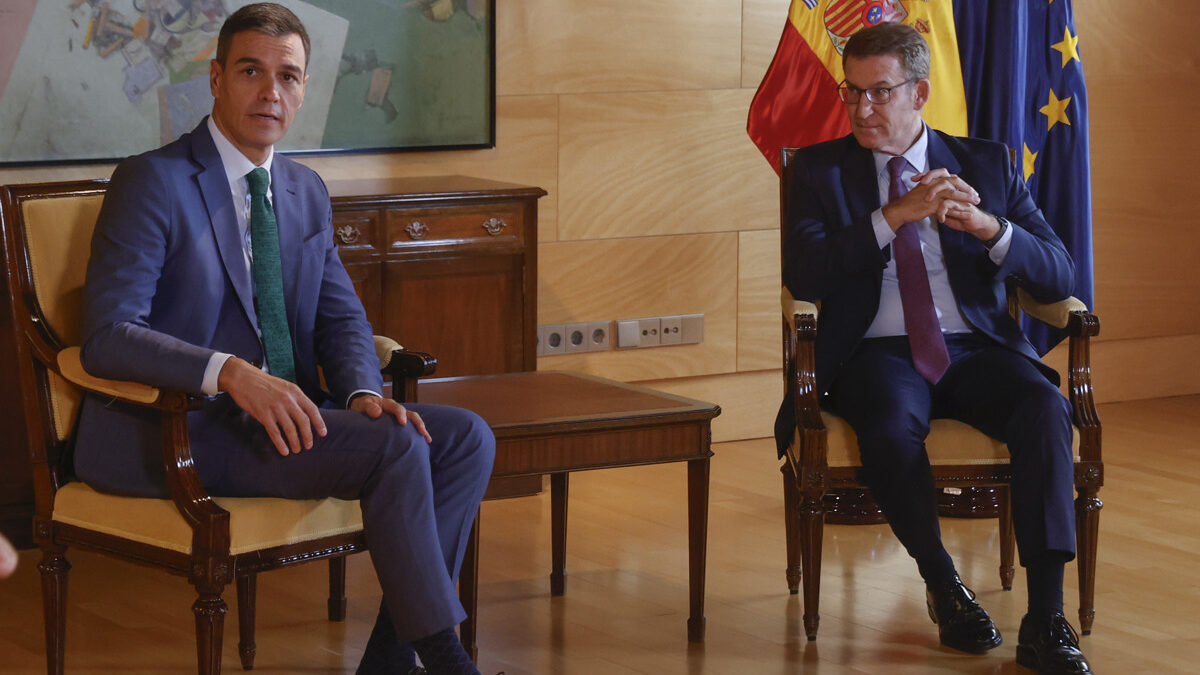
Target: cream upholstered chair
x=823, y=454
x=47, y=232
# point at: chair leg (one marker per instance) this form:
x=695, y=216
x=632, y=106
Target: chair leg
x=209, y=610
x=337, y=588
x=54, y=568
x=1008, y=539
x=791, y=519
x=1087, y=530
x=811, y=514
x=247, y=590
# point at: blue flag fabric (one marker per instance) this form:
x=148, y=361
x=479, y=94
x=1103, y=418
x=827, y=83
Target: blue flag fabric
x=1024, y=86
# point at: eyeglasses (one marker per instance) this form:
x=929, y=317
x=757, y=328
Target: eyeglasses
x=876, y=95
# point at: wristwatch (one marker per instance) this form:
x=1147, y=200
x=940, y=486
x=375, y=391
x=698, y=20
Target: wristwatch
x=999, y=233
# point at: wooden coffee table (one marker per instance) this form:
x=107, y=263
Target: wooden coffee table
x=552, y=422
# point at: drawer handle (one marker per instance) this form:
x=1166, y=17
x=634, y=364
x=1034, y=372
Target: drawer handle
x=494, y=226
x=348, y=234
x=416, y=229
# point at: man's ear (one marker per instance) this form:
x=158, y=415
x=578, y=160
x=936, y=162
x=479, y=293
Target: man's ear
x=923, y=90
x=214, y=76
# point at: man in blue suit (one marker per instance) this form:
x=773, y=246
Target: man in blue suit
x=906, y=235
x=213, y=270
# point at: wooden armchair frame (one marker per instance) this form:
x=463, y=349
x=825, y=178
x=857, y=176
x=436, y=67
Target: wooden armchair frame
x=48, y=364
x=808, y=472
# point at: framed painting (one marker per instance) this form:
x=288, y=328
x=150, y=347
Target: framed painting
x=98, y=80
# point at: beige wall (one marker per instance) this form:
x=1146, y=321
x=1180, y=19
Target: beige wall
x=631, y=114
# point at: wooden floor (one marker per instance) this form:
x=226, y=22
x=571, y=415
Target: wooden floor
x=626, y=600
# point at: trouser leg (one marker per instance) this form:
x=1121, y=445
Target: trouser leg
x=1007, y=397
x=418, y=498
x=888, y=405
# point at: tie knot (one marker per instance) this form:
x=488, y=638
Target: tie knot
x=896, y=166
x=258, y=179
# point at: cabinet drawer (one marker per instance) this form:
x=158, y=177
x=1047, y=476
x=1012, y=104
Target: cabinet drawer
x=490, y=224
x=356, y=230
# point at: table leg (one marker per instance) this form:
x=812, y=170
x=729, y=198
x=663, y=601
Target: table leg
x=559, y=486
x=698, y=472
x=468, y=591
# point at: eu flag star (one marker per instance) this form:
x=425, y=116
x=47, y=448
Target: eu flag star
x=1055, y=110
x=1030, y=161
x=1069, y=47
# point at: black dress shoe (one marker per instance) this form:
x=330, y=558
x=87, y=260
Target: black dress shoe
x=962, y=623
x=1051, y=647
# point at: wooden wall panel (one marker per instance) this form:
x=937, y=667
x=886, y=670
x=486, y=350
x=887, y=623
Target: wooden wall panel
x=1142, y=166
x=759, y=333
x=635, y=278
x=661, y=163
x=748, y=401
x=526, y=152
x=571, y=46
x=762, y=24
x=1125, y=370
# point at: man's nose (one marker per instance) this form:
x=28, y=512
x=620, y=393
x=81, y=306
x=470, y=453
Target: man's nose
x=269, y=92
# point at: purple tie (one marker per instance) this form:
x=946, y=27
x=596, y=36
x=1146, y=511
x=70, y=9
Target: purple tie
x=920, y=318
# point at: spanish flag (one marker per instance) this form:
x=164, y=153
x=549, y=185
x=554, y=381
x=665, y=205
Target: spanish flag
x=1005, y=70
x=797, y=103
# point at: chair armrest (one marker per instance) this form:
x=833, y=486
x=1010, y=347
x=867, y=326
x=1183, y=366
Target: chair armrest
x=71, y=367
x=209, y=522
x=791, y=307
x=1057, y=314
x=403, y=366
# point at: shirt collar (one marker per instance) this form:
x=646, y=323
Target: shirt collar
x=917, y=154
x=235, y=163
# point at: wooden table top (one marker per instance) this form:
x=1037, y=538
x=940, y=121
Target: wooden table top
x=545, y=399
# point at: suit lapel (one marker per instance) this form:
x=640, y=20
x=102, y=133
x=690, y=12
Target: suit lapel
x=859, y=182
x=218, y=201
x=288, y=220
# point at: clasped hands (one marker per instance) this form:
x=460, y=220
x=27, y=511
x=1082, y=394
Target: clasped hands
x=945, y=197
x=289, y=417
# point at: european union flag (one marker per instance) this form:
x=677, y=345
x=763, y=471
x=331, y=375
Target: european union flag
x=1024, y=86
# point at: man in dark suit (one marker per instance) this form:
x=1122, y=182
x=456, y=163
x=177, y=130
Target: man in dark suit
x=906, y=235
x=213, y=270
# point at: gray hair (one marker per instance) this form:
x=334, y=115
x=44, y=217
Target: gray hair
x=891, y=39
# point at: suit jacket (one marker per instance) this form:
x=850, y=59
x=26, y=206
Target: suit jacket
x=167, y=286
x=831, y=255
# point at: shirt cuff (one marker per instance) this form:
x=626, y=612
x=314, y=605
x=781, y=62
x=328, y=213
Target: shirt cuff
x=211, y=373
x=359, y=392
x=1000, y=251
x=884, y=234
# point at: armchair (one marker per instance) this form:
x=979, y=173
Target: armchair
x=46, y=231
x=823, y=453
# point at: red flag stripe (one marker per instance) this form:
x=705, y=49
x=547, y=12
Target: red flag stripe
x=797, y=103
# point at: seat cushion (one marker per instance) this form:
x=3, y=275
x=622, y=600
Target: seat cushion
x=254, y=523
x=949, y=442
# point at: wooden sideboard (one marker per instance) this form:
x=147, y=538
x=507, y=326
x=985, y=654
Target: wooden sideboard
x=443, y=264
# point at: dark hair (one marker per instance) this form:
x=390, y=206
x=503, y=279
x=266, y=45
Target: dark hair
x=265, y=17
x=891, y=39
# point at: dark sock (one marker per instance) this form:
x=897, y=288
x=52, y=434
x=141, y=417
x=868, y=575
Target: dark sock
x=1045, y=580
x=384, y=652
x=936, y=569
x=442, y=654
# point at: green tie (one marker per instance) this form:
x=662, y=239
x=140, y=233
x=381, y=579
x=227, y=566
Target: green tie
x=268, y=278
